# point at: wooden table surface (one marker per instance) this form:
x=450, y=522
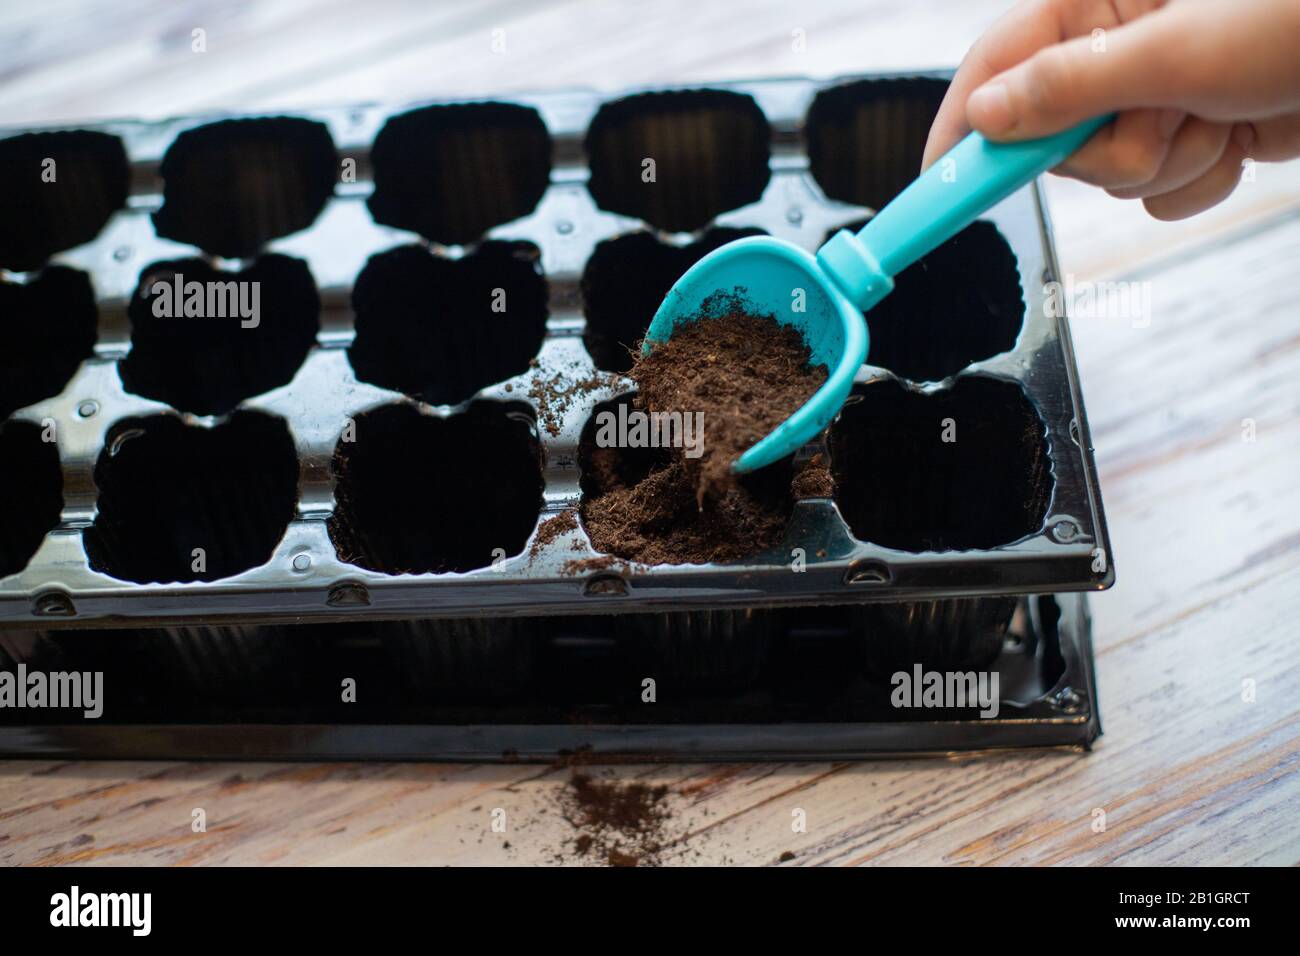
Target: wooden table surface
x=1205, y=522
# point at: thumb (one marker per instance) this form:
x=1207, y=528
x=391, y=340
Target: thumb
x=1069, y=82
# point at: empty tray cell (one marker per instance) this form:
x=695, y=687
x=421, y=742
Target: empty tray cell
x=185, y=669
x=625, y=280
x=416, y=493
x=951, y=634
x=48, y=329
x=640, y=503
x=33, y=648
x=182, y=502
x=440, y=329
x=462, y=658
x=678, y=159
x=60, y=190
x=688, y=652
x=233, y=186
x=31, y=492
x=582, y=668
x=866, y=138
x=203, y=340
x=960, y=304
x=960, y=469
x=453, y=172
x=816, y=661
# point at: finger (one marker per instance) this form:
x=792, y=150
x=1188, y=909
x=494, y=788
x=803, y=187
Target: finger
x=1186, y=55
x=1202, y=193
x=1064, y=84
x=1027, y=27
x=1196, y=148
x=1128, y=152
x=1276, y=139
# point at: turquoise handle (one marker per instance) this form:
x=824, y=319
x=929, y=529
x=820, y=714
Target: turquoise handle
x=971, y=178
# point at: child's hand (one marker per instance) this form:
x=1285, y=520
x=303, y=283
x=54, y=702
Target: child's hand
x=1199, y=84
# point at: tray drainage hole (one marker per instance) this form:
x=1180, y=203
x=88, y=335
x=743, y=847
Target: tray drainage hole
x=418, y=493
x=302, y=562
x=348, y=594
x=868, y=572
x=53, y=604
x=89, y=181
x=49, y=330
x=605, y=585
x=625, y=280
x=441, y=329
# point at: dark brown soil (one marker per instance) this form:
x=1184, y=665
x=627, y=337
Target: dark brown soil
x=553, y=528
x=602, y=563
x=813, y=480
x=745, y=374
x=619, y=823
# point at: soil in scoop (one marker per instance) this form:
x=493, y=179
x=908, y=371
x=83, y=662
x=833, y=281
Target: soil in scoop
x=745, y=374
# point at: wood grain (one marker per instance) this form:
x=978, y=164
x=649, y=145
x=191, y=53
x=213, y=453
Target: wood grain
x=1205, y=525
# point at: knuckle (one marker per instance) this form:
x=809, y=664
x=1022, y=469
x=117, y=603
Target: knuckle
x=1135, y=162
x=1051, y=79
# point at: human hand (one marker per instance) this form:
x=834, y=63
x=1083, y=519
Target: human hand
x=1199, y=85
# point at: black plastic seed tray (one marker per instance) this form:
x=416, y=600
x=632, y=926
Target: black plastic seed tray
x=765, y=683
x=447, y=292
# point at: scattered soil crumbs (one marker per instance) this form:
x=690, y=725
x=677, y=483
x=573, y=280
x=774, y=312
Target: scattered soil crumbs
x=785, y=857
x=619, y=823
x=813, y=480
x=552, y=528
x=745, y=374
x=602, y=563
x=555, y=394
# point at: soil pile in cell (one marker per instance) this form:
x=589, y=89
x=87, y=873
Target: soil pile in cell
x=739, y=376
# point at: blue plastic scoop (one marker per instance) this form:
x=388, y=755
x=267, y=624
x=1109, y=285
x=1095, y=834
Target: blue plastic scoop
x=824, y=296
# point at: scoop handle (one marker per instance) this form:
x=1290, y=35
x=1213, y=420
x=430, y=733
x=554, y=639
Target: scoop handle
x=967, y=181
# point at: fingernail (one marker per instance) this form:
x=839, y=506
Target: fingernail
x=1170, y=120
x=989, y=108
